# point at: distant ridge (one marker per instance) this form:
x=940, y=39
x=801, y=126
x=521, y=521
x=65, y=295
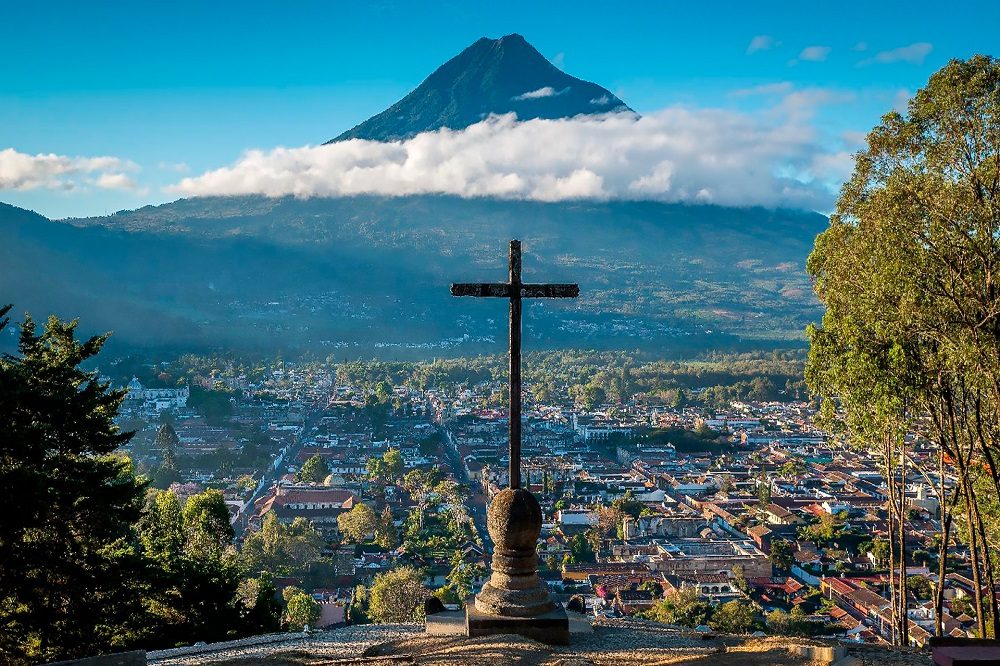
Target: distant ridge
x=492, y=76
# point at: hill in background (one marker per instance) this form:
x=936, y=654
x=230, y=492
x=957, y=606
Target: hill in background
x=371, y=274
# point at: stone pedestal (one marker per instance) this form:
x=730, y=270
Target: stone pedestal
x=515, y=600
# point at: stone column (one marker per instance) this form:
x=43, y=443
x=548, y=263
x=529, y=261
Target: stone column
x=515, y=600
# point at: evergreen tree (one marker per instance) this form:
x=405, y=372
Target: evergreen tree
x=70, y=583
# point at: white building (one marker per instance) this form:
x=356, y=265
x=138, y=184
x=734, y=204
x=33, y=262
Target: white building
x=157, y=399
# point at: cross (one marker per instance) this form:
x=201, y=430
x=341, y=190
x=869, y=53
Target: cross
x=515, y=290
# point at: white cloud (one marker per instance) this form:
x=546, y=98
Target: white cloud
x=22, y=171
x=559, y=60
x=603, y=100
x=815, y=53
x=780, y=88
x=913, y=54
x=178, y=167
x=860, y=46
x=901, y=100
x=760, y=43
x=115, y=181
x=547, y=91
x=770, y=158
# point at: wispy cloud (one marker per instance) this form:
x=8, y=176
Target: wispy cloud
x=779, y=88
x=815, y=53
x=770, y=158
x=559, y=60
x=547, y=91
x=760, y=43
x=23, y=171
x=913, y=54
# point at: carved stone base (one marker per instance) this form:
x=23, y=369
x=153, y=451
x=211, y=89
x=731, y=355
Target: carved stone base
x=551, y=627
x=515, y=600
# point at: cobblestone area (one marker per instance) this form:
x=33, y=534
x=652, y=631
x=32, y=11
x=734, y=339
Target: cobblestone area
x=613, y=643
x=343, y=643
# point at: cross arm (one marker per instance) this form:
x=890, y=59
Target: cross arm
x=481, y=289
x=550, y=290
x=503, y=290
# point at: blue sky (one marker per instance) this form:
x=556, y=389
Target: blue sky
x=176, y=89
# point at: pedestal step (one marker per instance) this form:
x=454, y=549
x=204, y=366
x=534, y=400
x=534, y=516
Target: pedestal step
x=551, y=627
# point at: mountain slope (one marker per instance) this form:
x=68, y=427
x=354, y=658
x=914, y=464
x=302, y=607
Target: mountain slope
x=492, y=76
x=371, y=273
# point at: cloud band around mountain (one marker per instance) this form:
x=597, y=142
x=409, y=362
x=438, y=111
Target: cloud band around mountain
x=676, y=155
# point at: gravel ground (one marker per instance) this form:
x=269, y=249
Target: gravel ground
x=613, y=643
x=337, y=644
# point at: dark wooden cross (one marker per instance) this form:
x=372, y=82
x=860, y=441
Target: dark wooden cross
x=515, y=290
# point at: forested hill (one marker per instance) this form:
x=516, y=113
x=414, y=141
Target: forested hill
x=372, y=273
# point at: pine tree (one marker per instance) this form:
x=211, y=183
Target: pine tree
x=69, y=584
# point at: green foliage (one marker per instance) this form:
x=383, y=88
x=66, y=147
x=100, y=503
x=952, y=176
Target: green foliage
x=386, y=534
x=301, y=610
x=314, y=470
x=580, y=549
x=691, y=441
x=166, y=438
x=207, y=527
x=278, y=549
x=214, y=405
x=71, y=579
x=397, y=596
x=735, y=617
x=653, y=588
x=388, y=469
x=781, y=554
x=681, y=607
x=357, y=524
x=462, y=577
x=826, y=530
x=793, y=624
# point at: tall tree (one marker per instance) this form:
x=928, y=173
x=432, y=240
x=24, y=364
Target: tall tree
x=908, y=274
x=68, y=584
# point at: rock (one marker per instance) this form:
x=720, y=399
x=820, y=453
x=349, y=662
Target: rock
x=433, y=605
x=577, y=604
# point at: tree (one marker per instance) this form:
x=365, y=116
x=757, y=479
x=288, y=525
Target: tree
x=314, y=470
x=279, y=549
x=168, y=472
x=207, y=525
x=735, y=617
x=580, y=549
x=386, y=534
x=907, y=274
x=781, y=555
x=462, y=577
x=161, y=527
x=72, y=580
x=397, y=596
x=826, y=530
x=393, y=465
x=357, y=524
x=682, y=607
x=653, y=588
x=301, y=610
x=166, y=438
x=793, y=468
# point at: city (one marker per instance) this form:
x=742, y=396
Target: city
x=644, y=493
